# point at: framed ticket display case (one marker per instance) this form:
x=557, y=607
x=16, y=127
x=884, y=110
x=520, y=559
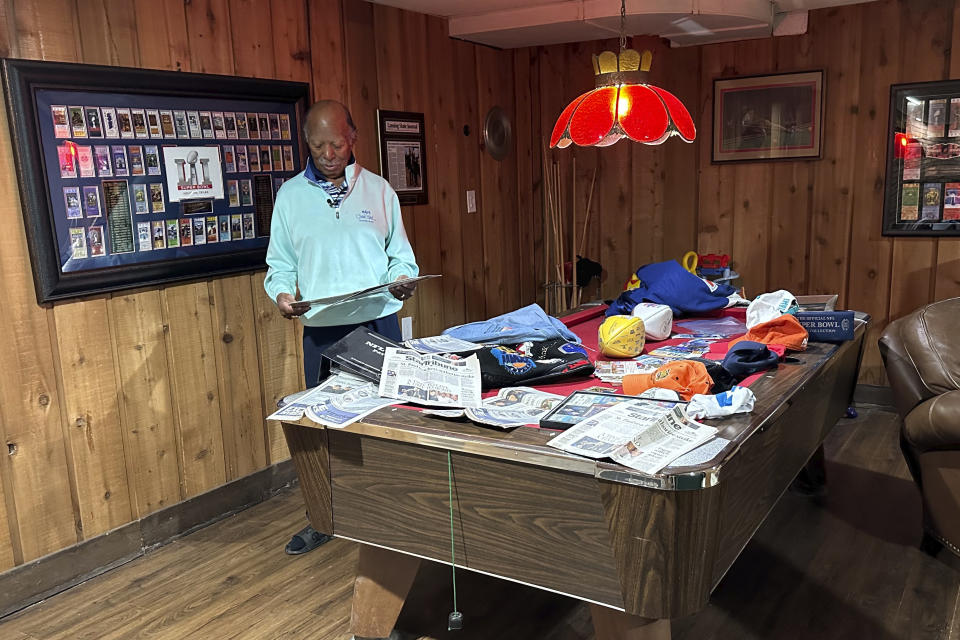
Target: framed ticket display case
x=131, y=177
x=922, y=196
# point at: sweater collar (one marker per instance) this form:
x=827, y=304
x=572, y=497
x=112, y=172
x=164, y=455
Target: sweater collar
x=349, y=173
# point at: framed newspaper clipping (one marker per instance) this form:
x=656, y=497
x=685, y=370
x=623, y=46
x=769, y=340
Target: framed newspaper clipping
x=132, y=177
x=922, y=195
x=403, y=161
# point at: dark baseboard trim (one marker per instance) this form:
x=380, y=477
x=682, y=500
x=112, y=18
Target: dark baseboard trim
x=34, y=581
x=875, y=395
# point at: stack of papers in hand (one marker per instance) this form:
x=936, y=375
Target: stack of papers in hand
x=363, y=293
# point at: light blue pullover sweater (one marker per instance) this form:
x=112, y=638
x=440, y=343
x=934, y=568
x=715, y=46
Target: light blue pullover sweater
x=329, y=252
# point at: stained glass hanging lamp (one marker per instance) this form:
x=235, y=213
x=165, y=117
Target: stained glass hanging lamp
x=623, y=104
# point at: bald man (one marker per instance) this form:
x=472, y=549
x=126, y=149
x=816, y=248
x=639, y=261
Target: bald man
x=336, y=228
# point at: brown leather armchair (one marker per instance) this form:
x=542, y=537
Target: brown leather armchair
x=921, y=353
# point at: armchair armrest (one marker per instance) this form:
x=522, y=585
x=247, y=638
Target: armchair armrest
x=935, y=423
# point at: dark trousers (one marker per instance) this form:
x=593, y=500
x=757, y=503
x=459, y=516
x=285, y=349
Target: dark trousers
x=316, y=340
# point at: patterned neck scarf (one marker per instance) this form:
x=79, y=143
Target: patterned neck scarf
x=335, y=192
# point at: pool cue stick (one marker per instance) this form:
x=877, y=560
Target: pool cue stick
x=561, y=302
x=546, y=232
x=586, y=219
x=573, y=237
x=543, y=230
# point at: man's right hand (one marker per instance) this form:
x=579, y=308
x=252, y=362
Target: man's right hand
x=289, y=306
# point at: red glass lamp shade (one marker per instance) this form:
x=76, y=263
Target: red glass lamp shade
x=622, y=105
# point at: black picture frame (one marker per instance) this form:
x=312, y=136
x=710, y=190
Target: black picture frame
x=922, y=185
x=582, y=404
x=786, y=122
x=28, y=83
x=403, y=162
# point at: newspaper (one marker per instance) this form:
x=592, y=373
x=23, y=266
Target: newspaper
x=511, y=407
x=295, y=405
x=514, y=397
x=430, y=379
x=641, y=435
x=690, y=349
x=505, y=418
x=669, y=438
x=514, y=407
x=340, y=410
x=612, y=371
x=441, y=344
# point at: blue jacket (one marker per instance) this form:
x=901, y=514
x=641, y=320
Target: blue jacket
x=670, y=284
x=529, y=323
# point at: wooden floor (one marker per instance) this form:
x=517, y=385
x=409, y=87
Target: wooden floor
x=846, y=567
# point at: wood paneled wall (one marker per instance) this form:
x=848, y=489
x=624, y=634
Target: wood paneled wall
x=115, y=406
x=806, y=226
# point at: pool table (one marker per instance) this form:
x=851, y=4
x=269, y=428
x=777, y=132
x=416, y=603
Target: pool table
x=639, y=549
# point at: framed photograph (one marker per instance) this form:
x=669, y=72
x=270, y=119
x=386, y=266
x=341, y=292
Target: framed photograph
x=922, y=194
x=581, y=405
x=768, y=117
x=99, y=197
x=403, y=160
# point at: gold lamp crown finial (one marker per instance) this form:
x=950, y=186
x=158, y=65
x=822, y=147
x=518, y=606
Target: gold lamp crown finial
x=611, y=68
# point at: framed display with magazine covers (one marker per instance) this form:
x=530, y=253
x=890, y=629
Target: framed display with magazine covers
x=130, y=177
x=922, y=195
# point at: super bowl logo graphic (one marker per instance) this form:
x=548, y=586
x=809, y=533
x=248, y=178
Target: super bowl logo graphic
x=511, y=361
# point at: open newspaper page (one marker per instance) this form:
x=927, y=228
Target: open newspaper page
x=342, y=409
x=637, y=434
x=600, y=435
x=294, y=405
x=514, y=407
x=656, y=446
x=430, y=379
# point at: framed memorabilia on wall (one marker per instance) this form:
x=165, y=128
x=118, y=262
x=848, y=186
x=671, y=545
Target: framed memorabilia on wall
x=768, y=117
x=130, y=177
x=403, y=160
x=922, y=195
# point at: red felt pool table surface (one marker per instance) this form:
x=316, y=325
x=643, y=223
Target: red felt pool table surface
x=586, y=322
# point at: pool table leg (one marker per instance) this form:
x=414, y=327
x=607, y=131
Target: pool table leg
x=383, y=580
x=610, y=624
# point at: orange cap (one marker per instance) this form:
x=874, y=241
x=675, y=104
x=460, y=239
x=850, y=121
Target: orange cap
x=686, y=377
x=785, y=330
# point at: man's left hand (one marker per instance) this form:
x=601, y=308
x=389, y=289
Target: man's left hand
x=402, y=291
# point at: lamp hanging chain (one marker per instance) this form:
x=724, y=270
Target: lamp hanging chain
x=623, y=25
